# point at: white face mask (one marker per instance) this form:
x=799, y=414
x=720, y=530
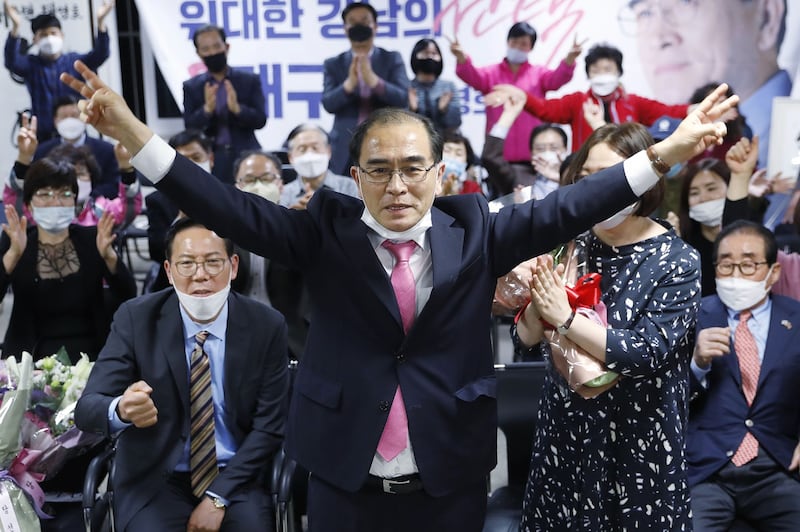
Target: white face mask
x=738, y=293
x=311, y=165
x=70, y=128
x=205, y=165
x=51, y=45
x=84, y=189
x=268, y=191
x=53, y=219
x=615, y=220
x=550, y=157
x=204, y=308
x=708, y=213
x=604, y=84
x=515, y=56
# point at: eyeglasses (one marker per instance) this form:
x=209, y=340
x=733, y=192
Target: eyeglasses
x=747, y=268
x=51, y=196
x=268, y=177
x=187, y=268
x=638, y=17
x=408, y=174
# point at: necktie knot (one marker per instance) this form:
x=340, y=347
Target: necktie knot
x=401, y=251
x=744, y=316
x=200, y=338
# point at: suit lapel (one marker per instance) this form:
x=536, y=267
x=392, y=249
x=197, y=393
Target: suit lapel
x=446, y=247
x=718, y=317
x=778, y=336
x=353, y=236
x=237, y=346
x=170, y=328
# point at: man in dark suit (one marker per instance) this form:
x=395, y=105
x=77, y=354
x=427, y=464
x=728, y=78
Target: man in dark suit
x=393, y=409
x=226, y=104
x=148, y=385
x=72, y=130
x=360, y=80
x=744, y=422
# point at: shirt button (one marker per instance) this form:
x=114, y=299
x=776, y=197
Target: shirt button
x=384, y=406
x=748, y=423
x=729, y=454
x=401, y=357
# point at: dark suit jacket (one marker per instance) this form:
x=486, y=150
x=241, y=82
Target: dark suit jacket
x=717, y=414
x=389, y=66
x=146, y=343
x=108, y=184
x=357, y=353
x=252, y=116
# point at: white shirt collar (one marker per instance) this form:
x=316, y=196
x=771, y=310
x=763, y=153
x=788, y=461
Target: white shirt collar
x=415, y=233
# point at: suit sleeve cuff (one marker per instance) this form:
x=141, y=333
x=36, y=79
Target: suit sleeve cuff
x=213, y=495
x=639, y=173
x=115, y=424
x=700, y=374
x=154, y=159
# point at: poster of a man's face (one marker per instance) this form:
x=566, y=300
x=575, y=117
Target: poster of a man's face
x=684, y=44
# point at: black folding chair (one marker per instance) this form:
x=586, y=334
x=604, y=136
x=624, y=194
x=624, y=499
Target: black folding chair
x=98, y=507
x=519, y=386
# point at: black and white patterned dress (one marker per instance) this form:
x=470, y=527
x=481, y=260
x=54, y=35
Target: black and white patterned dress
x=616, y=462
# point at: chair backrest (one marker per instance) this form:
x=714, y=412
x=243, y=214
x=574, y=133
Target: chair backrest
x=519, y=387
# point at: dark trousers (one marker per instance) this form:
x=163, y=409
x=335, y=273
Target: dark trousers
x=169, y=510
x=760, y=492
x=333, y=510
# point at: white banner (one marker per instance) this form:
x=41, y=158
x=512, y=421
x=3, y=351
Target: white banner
x=286, y=42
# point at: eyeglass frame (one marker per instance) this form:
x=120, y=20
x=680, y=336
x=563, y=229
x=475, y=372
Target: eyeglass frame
x=244, y=180
x=403, y=177
x=626, y=16
x=738, y=265
x=197, y=263
x=51, y=196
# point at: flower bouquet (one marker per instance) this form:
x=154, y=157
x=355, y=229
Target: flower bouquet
x=49, y=426
x=16, y=512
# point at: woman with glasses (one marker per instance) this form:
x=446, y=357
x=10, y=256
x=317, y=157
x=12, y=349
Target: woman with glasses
x=58, y=269
x=615, y=461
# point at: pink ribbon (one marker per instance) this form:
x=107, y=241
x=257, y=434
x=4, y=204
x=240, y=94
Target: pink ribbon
x=27, y=481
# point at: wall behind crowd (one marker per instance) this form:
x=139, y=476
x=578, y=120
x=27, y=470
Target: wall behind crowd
x=286, y=42
x=79, y=26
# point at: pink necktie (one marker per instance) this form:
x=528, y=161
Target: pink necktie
x=749, y=367
x=395, y=432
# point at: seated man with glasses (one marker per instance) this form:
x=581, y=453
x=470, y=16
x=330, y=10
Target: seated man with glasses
x=196, y=393
x=744, y=414
x=310, y=155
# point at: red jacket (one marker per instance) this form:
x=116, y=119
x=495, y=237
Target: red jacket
x=624, y=108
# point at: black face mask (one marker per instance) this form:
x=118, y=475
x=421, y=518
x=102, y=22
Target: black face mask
x=216, y=63
x=426, y=66
x=359, y=33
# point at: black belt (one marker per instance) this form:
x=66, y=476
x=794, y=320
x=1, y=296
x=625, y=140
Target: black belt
x=396, y=486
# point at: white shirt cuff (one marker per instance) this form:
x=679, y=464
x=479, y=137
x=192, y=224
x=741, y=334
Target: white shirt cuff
x=154, y=159
x=499, y=131
x=700, y=373
x=639, y=173
x=115, y=424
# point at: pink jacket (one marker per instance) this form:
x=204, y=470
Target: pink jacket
x=533, y=79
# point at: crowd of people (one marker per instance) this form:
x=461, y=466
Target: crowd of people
x=370, y=254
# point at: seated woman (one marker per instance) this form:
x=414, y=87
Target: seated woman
x=615, y=462
x=58, y=269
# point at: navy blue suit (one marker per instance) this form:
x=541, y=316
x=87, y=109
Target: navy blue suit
x=108, y=185
x=344, y=107
x=717, y=414
x=242, y=127
x=147, y=343
x=356, y=352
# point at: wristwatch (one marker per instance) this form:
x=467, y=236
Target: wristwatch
x=564, y=327
x=218, y=504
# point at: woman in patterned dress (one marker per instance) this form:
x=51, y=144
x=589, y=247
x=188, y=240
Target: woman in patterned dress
x=616, y=461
